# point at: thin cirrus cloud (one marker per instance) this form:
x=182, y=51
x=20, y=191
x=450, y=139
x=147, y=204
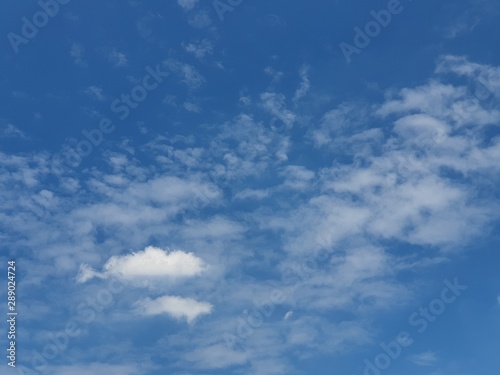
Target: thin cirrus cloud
x=424, y=359
x=152, y=262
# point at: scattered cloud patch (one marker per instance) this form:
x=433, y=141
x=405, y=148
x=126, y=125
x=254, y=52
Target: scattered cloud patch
x=187, y=73
x=118, y=59
x=275, y=104
x=12, y=131
x=192, y=107
x=199, y=49
x=177, y=307
x=95, y=93
x=77, y=50
x=187, y=4
x=200, y=20
x=425, y=359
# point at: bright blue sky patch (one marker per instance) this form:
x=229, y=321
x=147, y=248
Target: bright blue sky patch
x=251, y=187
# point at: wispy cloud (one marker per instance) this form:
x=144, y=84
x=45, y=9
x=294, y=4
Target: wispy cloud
x=77, y=50
x=199, y=49
x=425, y=359
x=304, y=86
x=187, y=4
x=12, y=131
x=117, y=58
x=95, y=93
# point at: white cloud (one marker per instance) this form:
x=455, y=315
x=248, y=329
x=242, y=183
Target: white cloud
x=154, y=262
x=275, y=104
x=255, y=194
x=12, y=131
x=200, y=19
x=188, y=73
x=461, y=26
x=76, y=53
x=342, y=129
x=487, y=77
x=424, y=359
x=199, y=49
x=95, y=93
x=276, y=75
x=216, y=356
x=174, y=306
x=118, y=59
x=304, y=86
x=86, y=273
x=297, y=177
x=96, y=368
x=191, y=107
x=434, y=98
x=187, y=4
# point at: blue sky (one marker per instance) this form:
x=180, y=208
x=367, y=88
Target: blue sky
x=218, y=187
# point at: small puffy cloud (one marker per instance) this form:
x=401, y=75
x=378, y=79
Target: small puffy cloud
x=76, y=53
x=191, y=107
x=152, y=262
x=200, y=20
x=177, y=307
x=187, y=4
x=118, y=59
x=95, y=93
x=424, y=359
x=187, y=73
x=199, y=49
